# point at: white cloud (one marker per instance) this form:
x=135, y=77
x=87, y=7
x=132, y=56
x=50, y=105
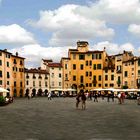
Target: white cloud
x=112, y=48
x=68, y=26
x=134, y=29
x=15, y=34
x=34, y=53
x=113, y=11
x=70, y=23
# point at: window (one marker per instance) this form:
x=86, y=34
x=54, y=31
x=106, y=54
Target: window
x=100, y=56
x=20, y=84
x=14, y=84
x=0, y=73
x=106, y=77
x=34, y=83
x=94, y=77
x=112, y=70
x=46, y=84
x=106, y=71
x=81, y=79
x=86, y=84
x=106, y=85
x=93, y=56
x=59, y=83
x=52, y=75
x=99, y=85
x=7, y=55
x=66, y=66
x=21, y=62
x=98, y=66
x=125, y=74
x=66, y=76
x=46, y=77
x=8, y=83
x=138, y=72
x=86, y=73
x=74, y=56
x=8, y=75
x=0, y=62
x=34, y=77
x=139, y=62
x=15, y=61
x=90, y=85
x=81, y=57
x=112, y=77
x=81, y=66
x=27, y=82
x=86, y=63
x=0, y=82
x=94, y=85
x=53, y=84
x=90, y=73
x=59, y=75
x=8, y=64
x=99, y=78
x=40, y=83
x=74, y=78
x=74, y=66
x=90, y=63
x=94, y=66
x=0, y=53
x=125, y=83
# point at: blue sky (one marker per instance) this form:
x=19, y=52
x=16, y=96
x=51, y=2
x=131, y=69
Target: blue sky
x=48, y=28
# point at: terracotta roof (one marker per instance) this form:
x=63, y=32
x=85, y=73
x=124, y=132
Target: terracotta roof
x=65, y=58
x=54, y=65
x=88, y=52
x=47, y=60
x=5, y=51
x=34, y=70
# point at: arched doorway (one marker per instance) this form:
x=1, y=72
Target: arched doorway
x=40, y=92
x=46, y=92
x=21, y=93
x=33, y=92
x=15, y=93
x=27, y=92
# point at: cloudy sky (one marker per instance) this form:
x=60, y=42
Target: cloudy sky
x=48, y=28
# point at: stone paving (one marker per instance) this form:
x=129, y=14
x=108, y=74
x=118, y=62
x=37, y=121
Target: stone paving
x=57, y=119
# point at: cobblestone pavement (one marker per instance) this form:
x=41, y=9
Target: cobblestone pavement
x=57, y=119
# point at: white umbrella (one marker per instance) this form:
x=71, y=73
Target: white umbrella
x=3, y=90
x=69, y=89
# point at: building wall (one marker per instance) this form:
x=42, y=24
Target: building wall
x=55, y=77
x=18, y=76
x=36, y=81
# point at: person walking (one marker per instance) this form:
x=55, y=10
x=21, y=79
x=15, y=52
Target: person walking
x=83, y=98
x=78, y=100
x=95, y=97
x=49, y=96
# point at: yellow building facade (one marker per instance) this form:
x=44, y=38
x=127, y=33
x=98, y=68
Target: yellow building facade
x=84, y=67
x=12, y=73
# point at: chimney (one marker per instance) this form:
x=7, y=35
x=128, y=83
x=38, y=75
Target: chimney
x=16, y=53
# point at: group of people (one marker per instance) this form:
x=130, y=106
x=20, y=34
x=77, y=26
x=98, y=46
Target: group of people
x=82, y=96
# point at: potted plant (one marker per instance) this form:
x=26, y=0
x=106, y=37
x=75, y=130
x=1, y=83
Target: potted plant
x=2, y=101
